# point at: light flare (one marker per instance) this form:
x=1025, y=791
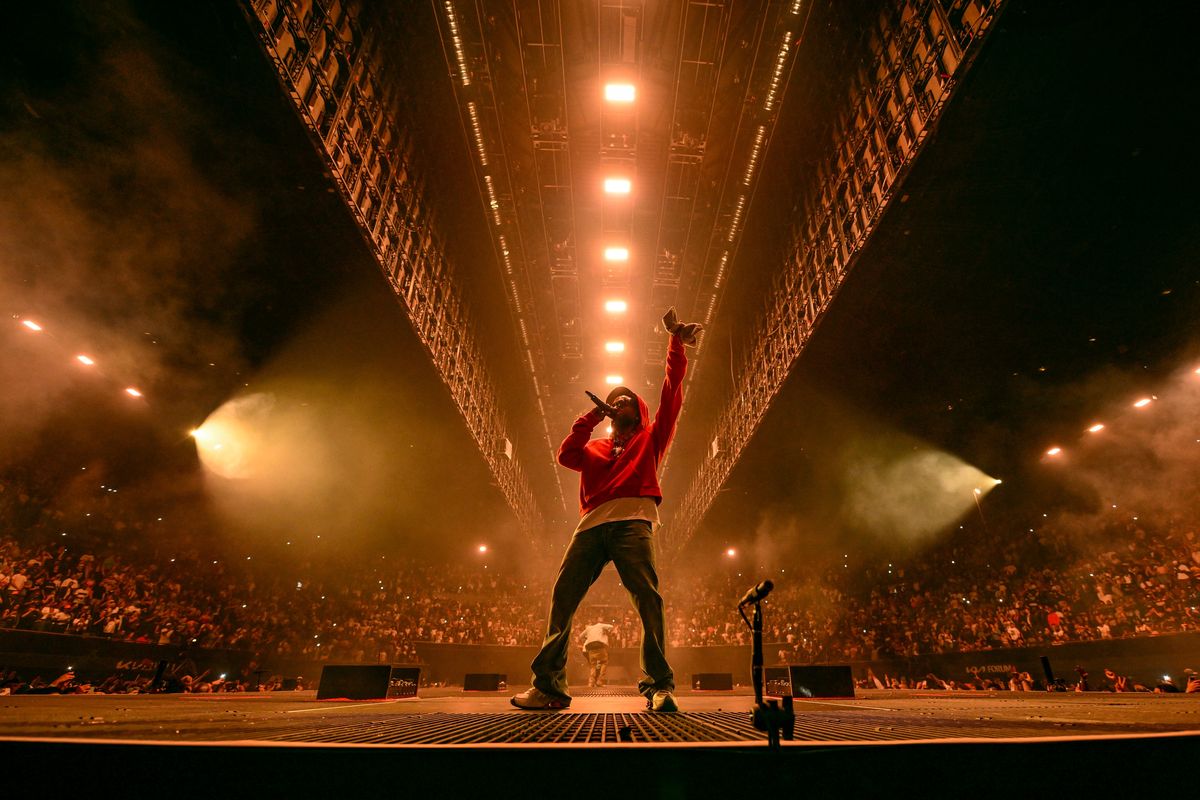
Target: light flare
x=617, y=185
x=620, y=92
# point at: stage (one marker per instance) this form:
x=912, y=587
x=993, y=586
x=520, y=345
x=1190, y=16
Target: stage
x=613, y=717
x=447, y=737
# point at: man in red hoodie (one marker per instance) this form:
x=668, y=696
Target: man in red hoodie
x=618, y=499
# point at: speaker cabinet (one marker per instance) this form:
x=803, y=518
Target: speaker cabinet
x=485, y=682
x=712, y=681
x=367, y=682
x=808, y=681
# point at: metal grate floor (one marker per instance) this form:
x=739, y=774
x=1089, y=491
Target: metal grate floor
x=602, y=720
x=537, y=728
x=640, y=727
x=604, y=691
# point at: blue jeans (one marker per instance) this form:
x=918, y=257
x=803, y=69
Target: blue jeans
x=630, y=546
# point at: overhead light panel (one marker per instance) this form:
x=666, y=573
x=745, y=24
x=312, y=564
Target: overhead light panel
x=459, y=50
x=613, y=380
x=616, y=254
x=617, y=185
x=619, y=92
x=614, y=347
x=616, y=306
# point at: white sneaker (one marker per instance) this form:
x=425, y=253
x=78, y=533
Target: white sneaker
x=664, y=701
x=536, y=699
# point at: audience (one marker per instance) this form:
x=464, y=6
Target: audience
x=1127, y=578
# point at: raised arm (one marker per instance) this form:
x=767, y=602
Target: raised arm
x=671, y=401
x=570, y=452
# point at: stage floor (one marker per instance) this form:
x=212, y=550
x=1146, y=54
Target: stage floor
x=612, y=717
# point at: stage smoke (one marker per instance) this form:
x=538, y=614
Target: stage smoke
x=354, y=449
x=1143, y=462
x=908, y=496
x=249, y=439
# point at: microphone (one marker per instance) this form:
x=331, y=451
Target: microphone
x=757, y=593
x=608, y=410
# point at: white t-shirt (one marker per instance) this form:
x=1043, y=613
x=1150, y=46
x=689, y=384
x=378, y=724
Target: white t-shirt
x=618, y=509
x=597, y=632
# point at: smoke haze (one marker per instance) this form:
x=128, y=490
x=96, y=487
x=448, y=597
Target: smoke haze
x=113, y=236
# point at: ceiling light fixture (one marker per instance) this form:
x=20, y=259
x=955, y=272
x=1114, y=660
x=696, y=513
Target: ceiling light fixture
x=619, y=92
x=617, y=185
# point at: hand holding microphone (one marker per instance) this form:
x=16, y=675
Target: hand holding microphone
x=604, y=407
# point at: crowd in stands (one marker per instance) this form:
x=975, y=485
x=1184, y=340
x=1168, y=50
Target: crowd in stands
x=1131, y=578
x=1128, y=578
x=1016, y=681
x=11, y=683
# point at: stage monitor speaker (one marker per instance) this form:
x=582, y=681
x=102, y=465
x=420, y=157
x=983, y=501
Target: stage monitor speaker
x=712, y=681
x=1047, y=670
x=368, y=682
x=808, y=681
x=485, y=682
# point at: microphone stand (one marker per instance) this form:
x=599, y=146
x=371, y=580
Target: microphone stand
x=771, y=717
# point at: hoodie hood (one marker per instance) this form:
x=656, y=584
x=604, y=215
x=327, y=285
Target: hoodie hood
x=643, y=409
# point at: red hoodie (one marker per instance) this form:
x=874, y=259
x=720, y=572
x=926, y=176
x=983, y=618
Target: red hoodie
x=634, y=473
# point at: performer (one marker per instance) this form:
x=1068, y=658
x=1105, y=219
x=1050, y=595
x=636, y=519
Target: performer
x=595, y=648
x=618, y=497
